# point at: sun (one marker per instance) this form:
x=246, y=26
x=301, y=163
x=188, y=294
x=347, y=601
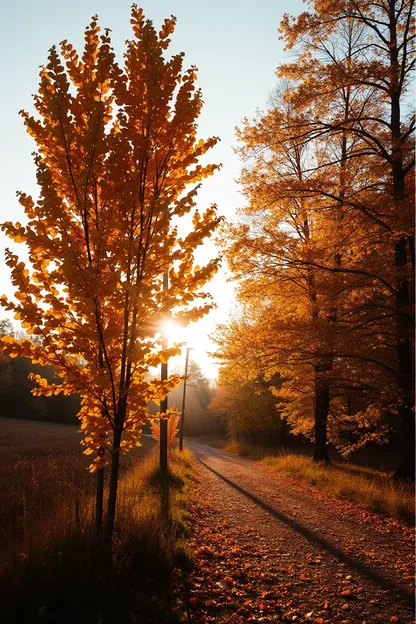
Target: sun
x=173, y=331
x=194, y=336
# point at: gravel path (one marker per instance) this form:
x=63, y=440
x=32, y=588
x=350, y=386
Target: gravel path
x=271, y=549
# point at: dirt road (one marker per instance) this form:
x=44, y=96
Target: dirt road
x=271, y=549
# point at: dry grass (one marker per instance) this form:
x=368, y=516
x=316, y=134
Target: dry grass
x=53, y=568
x=244, y=450
x=372, y=489
x=29, y=438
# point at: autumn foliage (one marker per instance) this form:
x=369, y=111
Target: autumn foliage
x=117, y=162
x=324, y=251
x=173, y=425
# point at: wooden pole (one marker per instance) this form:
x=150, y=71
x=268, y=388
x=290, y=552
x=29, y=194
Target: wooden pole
x=163, y=442
x=183, y=399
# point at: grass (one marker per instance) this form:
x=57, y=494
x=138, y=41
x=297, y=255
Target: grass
x=371, y=489
x=52, y=566
x=29, y=438
x=244, y=450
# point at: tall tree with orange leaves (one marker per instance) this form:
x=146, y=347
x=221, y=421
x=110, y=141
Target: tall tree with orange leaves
x=327, y=237
x=117, y=168
x=316, y=237
x=293, y=245
x=382, y=71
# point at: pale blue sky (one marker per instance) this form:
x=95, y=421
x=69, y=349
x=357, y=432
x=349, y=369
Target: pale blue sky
x=235, y=45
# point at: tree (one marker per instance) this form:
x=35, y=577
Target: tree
x=266, y=378
x=117, y=166
x=6, y=329
x=381, y=70
x=198, y=419
x=286, y=238
x=248, y=383
x=173, y=427
x=315, y=242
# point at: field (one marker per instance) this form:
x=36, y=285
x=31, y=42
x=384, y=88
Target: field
x=52, y=568
x=27, y=438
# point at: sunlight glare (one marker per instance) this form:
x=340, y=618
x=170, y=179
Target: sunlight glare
x=173, y=331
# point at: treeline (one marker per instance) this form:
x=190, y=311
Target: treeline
x=323, y=254
x=248, y=406
x=16, y=398
x=199, y=418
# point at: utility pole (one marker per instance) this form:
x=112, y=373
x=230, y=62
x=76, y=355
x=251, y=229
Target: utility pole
x=183, y=399
x=163, y=439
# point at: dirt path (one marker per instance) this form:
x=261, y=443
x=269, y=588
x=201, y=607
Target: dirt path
x=270, y=549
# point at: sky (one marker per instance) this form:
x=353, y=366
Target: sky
x=234, y=44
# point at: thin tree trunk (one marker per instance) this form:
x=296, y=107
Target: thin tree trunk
x=99, y=501
x=163, y=435
x=163, y=431
x=163, y=448
x=183, y=401
x=406, y=465
x=112, y=495
x=321, y=418
x=99, y=494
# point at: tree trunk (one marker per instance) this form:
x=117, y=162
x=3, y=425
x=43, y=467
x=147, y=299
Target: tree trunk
x=406, y=421
x=181, y=431
x=163, y=438
x=112, y=495
x=99, y=501
x=99, y=494
x=405, y=331
x=321, y=419
x=163, y=447
x=406, y=465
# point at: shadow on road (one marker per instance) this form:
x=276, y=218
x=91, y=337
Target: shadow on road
x=371, y=574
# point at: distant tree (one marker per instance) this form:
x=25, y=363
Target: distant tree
x=117, y=165
x=245, y=394
x=173, y=424
x=199, y=419
x=16, y=396
x=6, y=329
x=249, y=410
